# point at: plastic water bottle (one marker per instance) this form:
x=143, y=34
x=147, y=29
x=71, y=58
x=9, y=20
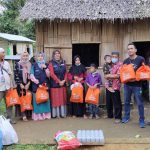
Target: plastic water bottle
x=97, y=139
x=83, y=136
x=79, y=135
x=101, y=135
x=92, y=136
x=88, y=136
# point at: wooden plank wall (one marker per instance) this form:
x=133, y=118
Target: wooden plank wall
x=111, y=36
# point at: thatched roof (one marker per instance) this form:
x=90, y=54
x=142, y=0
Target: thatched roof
x=85, y=9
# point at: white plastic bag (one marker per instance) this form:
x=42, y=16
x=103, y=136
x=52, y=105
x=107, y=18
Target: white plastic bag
x=76, y=84
x=9, y=134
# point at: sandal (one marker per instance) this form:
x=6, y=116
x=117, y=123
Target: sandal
x=25, y=119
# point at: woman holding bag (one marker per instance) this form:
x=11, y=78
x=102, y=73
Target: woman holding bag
x=58, y=75
x=22, y=79
x=77, y=73
x=40, y=76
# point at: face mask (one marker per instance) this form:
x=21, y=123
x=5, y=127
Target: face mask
x=77, y=64
x=114, y=60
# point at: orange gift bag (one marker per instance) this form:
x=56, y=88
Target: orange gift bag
x=143, y=73
x=77, y=94
x=92, y=96
x=127, y=73
x=42, y=94
x=12, y=98
x=26, y=101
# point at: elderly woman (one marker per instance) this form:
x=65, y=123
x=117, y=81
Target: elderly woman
x=77, y=73
x=22, y=79
x=58, y=75
x=39, y=76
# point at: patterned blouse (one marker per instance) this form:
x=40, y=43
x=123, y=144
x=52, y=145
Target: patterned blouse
x=116, y=85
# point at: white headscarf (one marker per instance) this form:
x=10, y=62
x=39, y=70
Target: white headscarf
x=2, y=50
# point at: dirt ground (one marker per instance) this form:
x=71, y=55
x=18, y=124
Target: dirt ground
x=117, y=136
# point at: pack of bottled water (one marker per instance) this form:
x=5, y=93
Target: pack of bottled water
x=91, y=137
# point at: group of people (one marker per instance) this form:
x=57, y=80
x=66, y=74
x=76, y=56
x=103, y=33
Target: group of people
x=29, y=76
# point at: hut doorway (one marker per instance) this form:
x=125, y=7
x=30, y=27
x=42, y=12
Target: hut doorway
x=143, y=49
x=89, y=53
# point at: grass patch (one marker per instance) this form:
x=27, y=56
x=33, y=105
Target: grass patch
x=2, y=107
x=30, y=147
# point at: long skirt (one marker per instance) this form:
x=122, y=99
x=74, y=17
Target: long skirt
x=41, y=111
x=58, y=98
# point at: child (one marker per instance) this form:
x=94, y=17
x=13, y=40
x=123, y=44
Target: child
x=93, y=80
x=106, y=69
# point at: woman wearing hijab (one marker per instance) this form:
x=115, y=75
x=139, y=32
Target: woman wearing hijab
x=39, y=77
x=58, y=75
x=77, y=73
x=22, y=79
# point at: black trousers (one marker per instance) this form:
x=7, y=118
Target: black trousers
x=113, y=101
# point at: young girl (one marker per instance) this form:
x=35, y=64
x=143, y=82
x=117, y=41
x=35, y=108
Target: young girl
x=22, y=79
x=77, y=73
x=93, y=81
x=38, y=76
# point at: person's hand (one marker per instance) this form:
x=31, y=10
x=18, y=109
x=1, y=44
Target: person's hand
x=133, y=80
x=95, y=86
x=92, y=87
x=22, y=86
x=43, y=66
x=75, y=77
x=61, y=83
x=40, y=85
x=47, y=72
x=80, y=79
x=36, y=81
x=108, y=76
x=27, y=86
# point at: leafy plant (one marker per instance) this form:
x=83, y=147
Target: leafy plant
x=10, y=21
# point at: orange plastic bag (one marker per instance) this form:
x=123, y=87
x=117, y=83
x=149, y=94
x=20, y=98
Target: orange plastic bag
x=77, y=94
x=143, y=73
x=12, y=98
x=26, y=101
x=42, y=94
x=92, y=96
x=127, y=73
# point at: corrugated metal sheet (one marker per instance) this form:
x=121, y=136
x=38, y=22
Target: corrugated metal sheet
x=11, y=37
